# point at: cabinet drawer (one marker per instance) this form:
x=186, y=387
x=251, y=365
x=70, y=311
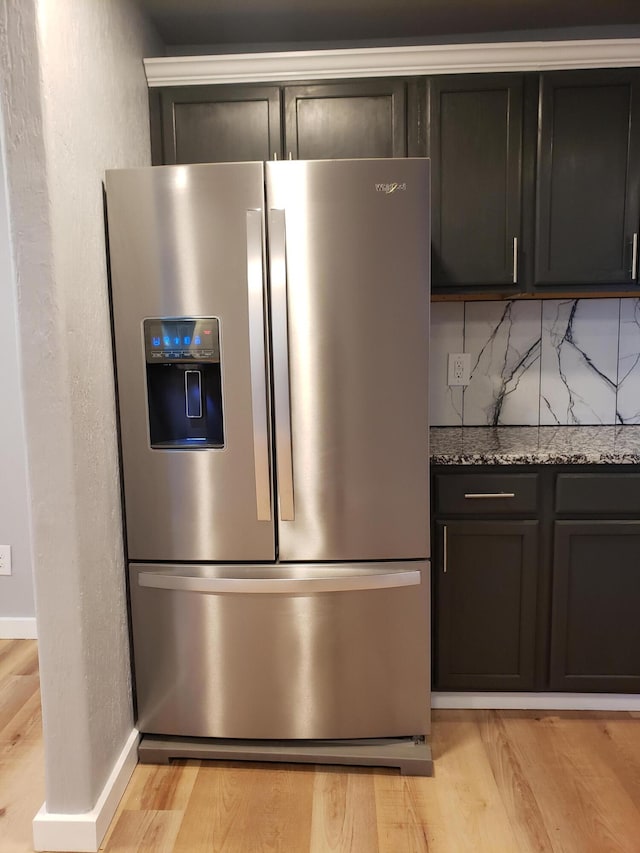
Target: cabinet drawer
x=608, y=494
x=476, y=494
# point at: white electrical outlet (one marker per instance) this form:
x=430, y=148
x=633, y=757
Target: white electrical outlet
x=459, y=369
x=5, y=559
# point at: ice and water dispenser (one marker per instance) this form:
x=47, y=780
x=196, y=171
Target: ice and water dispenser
x=184, y=387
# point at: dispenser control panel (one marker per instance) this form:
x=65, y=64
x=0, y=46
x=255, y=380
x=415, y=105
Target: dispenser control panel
x=182, y=339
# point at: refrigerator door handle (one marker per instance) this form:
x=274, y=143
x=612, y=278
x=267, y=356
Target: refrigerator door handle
x=282, y=585
x=255, y=283
x=282, y=400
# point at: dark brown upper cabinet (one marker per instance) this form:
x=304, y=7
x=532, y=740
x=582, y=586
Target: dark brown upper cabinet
x=213, y=124
x=535, y=177
x=475, y=141
x=361, y=118
x=588, y=182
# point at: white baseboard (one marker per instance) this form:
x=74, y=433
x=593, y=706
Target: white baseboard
x=83, y=833
x=23, y=628
x=538, y=701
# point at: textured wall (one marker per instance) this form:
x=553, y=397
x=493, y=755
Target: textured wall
x=16, y=591
x=75, y=105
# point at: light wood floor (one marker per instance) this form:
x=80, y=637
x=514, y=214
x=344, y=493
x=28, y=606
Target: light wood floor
x=506, y=782
x=21, y=759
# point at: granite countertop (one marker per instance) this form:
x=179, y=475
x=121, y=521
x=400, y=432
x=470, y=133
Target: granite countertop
x=551, y=445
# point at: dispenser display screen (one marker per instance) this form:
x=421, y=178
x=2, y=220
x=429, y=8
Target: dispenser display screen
x=182, y=339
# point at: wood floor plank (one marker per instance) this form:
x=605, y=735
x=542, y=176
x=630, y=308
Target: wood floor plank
x=146, y=831
x=611, y=811
x=21, y=795
x=155, y=788
x=551, y=778
x=21, y=750
x=463, y=810
x=247, y=807
x=619, y=743
x=18, y=657
x=15, y=692
x=512, y=780
x=344, y=811
x=584, y=808
x=24, y=727
x=400, y=826
x=159, y=787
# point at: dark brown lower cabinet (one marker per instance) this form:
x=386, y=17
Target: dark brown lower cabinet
x=595, y=636
x=486, y=604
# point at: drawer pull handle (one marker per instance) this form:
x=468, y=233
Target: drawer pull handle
x=487, y=495
x=337, y=582
x=444, y=549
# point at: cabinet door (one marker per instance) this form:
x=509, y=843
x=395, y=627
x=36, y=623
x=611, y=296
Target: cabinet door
x=588, y=177
x=486, y=604
x=595, y=635
x=217, y=124
x=475, y=142
x=364, y=118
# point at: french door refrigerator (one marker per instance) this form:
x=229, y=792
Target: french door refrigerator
x=271, y=328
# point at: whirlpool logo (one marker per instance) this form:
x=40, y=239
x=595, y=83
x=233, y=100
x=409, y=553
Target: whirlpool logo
x=387, y=189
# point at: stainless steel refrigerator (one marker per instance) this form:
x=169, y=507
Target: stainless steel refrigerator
x=271, y=325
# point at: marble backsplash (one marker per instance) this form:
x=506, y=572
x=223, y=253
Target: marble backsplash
x=538, y=362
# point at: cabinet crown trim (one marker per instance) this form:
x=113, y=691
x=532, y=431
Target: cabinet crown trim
x=391, y=61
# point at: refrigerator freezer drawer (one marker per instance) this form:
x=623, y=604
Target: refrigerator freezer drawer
x=273, y=652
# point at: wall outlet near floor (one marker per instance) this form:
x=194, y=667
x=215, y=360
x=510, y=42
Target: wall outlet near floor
x=5, y=559
x=459, y=369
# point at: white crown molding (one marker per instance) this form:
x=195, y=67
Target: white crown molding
x=391, y=61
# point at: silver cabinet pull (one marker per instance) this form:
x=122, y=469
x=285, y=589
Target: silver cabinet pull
x=255, y=284
x=634, y=258
x=515, y=260
x=281, y=393
x=288, y=585
x=487, y=495
x=444, y=549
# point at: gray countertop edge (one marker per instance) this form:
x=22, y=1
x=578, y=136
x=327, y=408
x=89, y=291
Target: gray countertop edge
x=571, y=445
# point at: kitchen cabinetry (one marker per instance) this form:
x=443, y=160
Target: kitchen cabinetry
x=487, y=604
x=535, y=178
x=577, y=223
x=476, y=145
x=588, y=185
x=208, y=124
x=537, y=582
x=360, y=118
x=486, y=581
x=363, y=118
x=595, y=629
